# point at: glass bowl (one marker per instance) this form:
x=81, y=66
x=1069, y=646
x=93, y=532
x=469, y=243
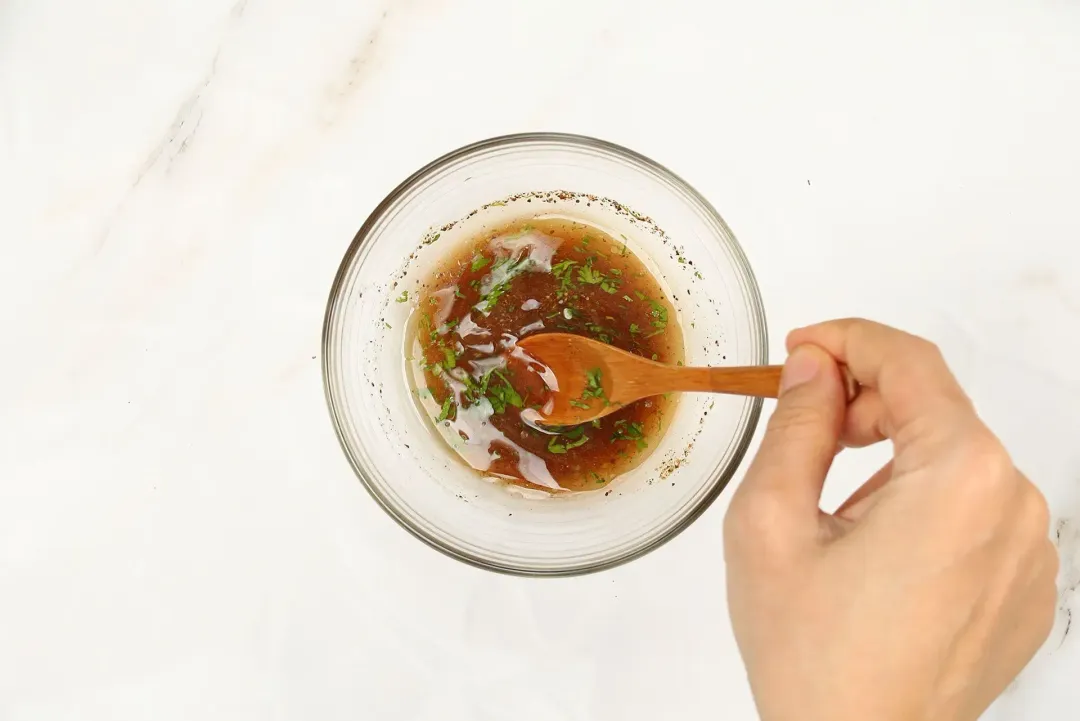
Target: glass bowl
x=415, y=477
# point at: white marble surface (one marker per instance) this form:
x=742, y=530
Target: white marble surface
x=180, y=535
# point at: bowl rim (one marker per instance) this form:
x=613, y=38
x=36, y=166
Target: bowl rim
x=755, y=307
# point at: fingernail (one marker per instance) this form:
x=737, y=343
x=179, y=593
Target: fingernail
x=802, y=366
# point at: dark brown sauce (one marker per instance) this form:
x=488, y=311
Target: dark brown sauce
x=484, y=394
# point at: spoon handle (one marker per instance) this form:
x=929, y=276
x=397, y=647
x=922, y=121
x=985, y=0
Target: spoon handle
x=759, y=381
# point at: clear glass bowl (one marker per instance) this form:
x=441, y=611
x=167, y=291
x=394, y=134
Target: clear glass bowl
x=393, y=449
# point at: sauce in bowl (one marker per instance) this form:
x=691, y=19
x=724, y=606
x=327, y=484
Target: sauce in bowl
x=484, y=395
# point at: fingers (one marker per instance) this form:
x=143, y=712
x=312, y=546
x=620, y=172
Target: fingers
x=914, y=386
x=788, y=472
x=864, y=424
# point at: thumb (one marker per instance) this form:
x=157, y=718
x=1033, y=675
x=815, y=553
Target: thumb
x=801, y=438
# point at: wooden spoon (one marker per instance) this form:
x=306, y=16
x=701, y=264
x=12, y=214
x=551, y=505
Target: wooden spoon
x=594, y=379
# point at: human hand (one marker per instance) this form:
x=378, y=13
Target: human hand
x=929, y=589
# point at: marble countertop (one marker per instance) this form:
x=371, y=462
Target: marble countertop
x=180, y=534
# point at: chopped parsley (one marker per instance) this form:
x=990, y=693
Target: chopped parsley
x=568, y=441
x=501, y=395
x=629, y=431
x=491, y=298
x=479, y=262
x=563, y=273
x=659, y=316
x=593, y=387
x=403, y=298
x=587, y=274
x=579, y=404
x=449, y=410
x=604, y=335
x=449, y=358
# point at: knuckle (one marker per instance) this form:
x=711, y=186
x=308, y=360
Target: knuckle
x=927, y=356
x=1035, y=510
x=987, y=462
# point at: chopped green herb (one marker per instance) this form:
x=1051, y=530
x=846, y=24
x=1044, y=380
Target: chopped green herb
x=388, y=326
x=562, y=267
x=562, y=273
x=640, y=295
x=634, y=329
x=479, y=262
x=629, y=432
x=490, y=300
x=593, y=387
x=450, y=358
x=449, y=410
x=403, y=298
x=628, y=299
x=501, y=395
x=492, y=297
x=586, y=274
x=458, y=293
x=579, y=404
x=571, y=440
x=697, y=274
x=659, y=317
x=604, y=335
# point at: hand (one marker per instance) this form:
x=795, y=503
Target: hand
x=929, y=589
